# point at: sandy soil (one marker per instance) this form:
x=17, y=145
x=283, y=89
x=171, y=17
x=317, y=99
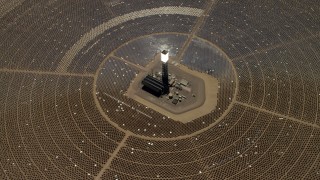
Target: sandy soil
x=206, y=99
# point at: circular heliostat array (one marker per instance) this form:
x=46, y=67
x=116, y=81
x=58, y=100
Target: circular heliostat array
x=65, y=67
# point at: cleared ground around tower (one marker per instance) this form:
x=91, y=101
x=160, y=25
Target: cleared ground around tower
x=204, y=102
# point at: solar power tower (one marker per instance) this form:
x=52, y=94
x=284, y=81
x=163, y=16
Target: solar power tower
x=165, y=75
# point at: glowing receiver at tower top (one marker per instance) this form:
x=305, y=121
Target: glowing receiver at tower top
x=164, y=56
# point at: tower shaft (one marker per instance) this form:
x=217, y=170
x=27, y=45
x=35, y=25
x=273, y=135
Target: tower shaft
x=165, y=77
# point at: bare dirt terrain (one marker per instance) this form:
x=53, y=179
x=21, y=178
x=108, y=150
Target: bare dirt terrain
x=205, y=87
